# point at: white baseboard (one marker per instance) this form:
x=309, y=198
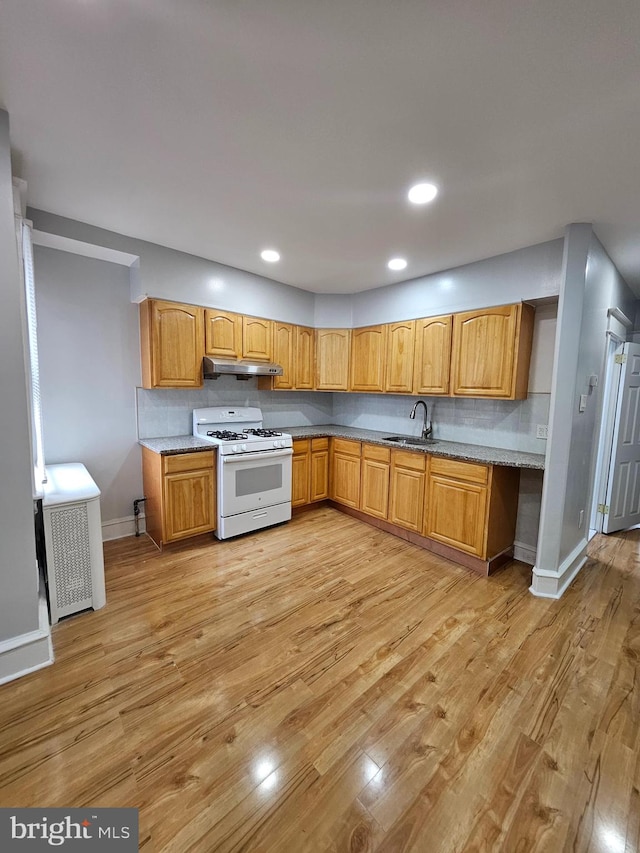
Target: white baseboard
x=524, y=553
x=118, y=528
x=24, y=654
x=552, y=584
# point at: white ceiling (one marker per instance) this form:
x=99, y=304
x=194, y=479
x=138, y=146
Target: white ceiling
x=220, y=128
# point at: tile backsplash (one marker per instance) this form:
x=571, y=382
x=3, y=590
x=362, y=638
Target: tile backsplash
x=496, y=423
x=165, y=412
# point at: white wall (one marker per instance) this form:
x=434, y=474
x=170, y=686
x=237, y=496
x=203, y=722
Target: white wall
x=18, y=569
x=544, y=338
x=89, y=367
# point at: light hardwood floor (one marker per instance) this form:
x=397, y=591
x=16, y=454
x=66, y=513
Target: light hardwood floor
x=325, y=686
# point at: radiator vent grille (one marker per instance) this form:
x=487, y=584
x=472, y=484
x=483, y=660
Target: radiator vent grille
x=71, y=554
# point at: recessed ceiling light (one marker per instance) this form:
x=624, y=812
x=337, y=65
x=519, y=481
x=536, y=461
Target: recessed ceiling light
x=270, y=256
x=397, y=264
x=422, y=193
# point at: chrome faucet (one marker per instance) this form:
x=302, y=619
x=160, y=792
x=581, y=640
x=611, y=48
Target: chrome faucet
x=427, y=429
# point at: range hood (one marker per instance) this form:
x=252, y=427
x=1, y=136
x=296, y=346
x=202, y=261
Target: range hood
x=214, y=367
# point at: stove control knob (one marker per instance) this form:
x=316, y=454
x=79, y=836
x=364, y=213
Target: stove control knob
x=234, y=448
x=244, y=446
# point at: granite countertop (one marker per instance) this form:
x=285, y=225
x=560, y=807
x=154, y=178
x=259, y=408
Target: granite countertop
x=452, y=449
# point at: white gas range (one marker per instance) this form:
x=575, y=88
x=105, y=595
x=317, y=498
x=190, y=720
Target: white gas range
x=254, y=468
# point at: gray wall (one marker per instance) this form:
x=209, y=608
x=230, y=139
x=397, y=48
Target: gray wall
x=590, y=286
x=18, y=569
x=527, y=274
x=89, y=367
x=604, y=288
x=532, y=273
x=167, y=274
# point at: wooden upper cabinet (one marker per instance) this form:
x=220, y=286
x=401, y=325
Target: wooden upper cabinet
x=257, y=338
x=400, y=347
x=432, y=355
x=172, y=344
x=368, y=353
x=284, y=354
x=332, y=359
x=223, y=333
x=492, y=351
x=304, y=356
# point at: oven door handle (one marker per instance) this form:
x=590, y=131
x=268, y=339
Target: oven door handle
x=250, y=457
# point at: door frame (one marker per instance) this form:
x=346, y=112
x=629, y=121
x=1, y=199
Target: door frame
x=619, y=323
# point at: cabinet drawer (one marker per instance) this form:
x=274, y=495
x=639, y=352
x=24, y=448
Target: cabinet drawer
x=319, y=444
x=188, y=461
x=469, y=471
x=344, y=445
x=375, y=452
x=300, y=445
x=413, y=461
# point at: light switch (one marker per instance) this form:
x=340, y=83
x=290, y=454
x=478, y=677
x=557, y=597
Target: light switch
x=583, y=402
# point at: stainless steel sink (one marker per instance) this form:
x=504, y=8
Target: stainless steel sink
x=409, y=440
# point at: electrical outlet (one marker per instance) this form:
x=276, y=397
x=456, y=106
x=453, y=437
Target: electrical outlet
x=542, y=431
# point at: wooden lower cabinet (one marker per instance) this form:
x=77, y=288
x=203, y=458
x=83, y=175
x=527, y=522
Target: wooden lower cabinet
x=374, y=485
x=406, y=507
x=180, y=493
x=345, y=472
x=468, y=507
x=319, y=490
x=300, y=480
x=471, y=507
x=310, y=471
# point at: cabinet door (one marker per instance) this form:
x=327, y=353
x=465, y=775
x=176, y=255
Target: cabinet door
x=406, y=506
x=300, y=473
x=332, y=359
x=283, y=354
x=303, y=357
x=189, y=504
x=223, y=333
x=400, y=357
x=432, y=355
x=456, y=514
x=368, y=352
x=319, y=475
x=257, y=338
x=374, y=488
x=172, y=341
x=484, y=349
x=345, y=479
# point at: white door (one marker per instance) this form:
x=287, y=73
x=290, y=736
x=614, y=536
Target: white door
x=623, y=488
